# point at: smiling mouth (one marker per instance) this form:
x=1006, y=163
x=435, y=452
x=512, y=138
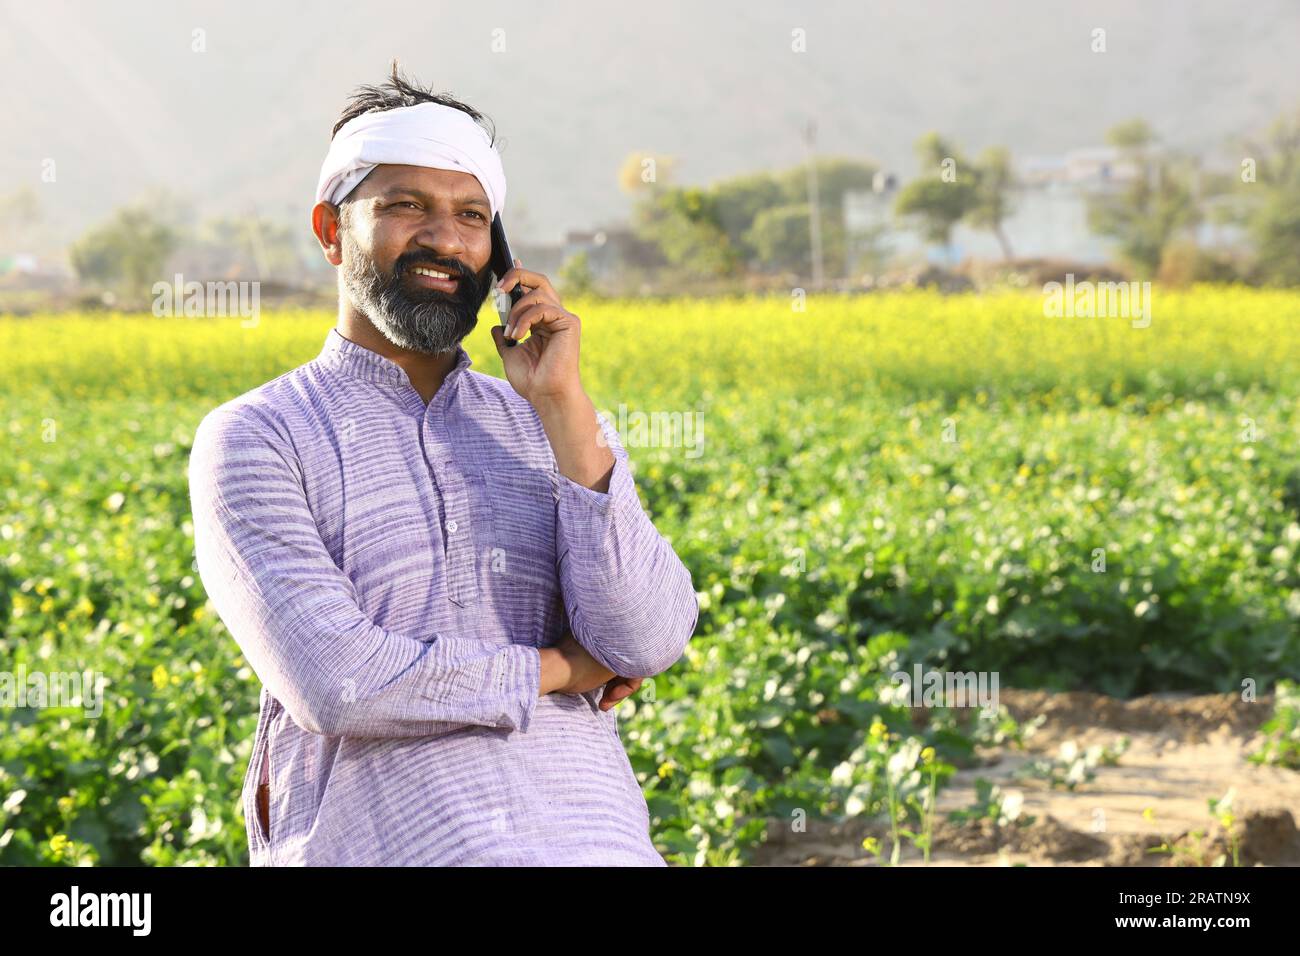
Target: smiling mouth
x=434, y=278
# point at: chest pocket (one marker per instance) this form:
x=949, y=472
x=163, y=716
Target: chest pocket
x=519, y=546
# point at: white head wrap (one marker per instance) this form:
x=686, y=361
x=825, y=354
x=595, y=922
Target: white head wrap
x=428, y=134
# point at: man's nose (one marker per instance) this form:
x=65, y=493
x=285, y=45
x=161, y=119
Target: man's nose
x=441, y=236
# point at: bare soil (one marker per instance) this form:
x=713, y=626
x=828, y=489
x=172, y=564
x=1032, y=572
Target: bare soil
x=1183, y=751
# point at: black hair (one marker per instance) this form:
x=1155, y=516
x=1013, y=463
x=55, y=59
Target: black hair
x=400, y=91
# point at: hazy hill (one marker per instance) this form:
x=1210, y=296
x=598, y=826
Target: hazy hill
x=115, y=94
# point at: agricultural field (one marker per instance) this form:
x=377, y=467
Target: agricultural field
x=869, y=484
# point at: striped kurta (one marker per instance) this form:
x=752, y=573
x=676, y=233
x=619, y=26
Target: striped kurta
x=389, y=570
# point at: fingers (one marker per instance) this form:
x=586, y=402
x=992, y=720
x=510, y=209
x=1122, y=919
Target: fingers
x=609, y=701
x=618, y=690
x=545, y=316
x=528, y=279
x=499, y=337
x=615, y=697
x=535, y=297
x=517, y=325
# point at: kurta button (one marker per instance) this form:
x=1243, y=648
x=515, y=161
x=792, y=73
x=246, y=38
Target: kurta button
x=451, y=526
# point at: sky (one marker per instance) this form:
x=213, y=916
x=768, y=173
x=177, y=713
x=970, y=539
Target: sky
x=118, y=96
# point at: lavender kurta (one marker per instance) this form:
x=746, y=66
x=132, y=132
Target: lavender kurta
x=389, y=570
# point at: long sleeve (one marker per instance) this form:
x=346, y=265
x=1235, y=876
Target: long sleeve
x=630, y=599
x=297, y=618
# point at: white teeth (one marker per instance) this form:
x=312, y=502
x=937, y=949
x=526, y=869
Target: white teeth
x=431, y=272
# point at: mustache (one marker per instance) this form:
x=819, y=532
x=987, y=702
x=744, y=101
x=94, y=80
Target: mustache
x=411, y=260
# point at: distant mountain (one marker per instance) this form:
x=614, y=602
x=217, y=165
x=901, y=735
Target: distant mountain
x=121, y=100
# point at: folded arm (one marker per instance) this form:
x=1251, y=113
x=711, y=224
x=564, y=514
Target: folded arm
x=630, y=599
x=297, y=618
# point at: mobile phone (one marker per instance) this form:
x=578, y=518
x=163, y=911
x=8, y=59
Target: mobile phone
x=502, y=262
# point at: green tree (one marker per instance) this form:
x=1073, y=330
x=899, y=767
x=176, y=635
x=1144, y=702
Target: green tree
x=752, y=218
x=127, y=252
x=781, y=239
x=1132, y=134
x=1274, y=218
x=944, y=194
x=20, y=212
x=683, y=224
x=1153, y=209
x=266, y=245
x=992, y=203
x=575, y=275
x=1276, y=233
x=741, y=200
x=835, y=177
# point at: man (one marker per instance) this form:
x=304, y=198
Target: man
x=400, y=545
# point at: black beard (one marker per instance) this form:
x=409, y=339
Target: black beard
x=419, y=320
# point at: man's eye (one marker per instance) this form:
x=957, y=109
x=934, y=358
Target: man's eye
x=479, y=214
x=407, y=202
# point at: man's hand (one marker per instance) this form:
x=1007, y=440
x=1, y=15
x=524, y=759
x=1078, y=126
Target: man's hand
x=567, y=668
x=618, y=689
x=543, y=368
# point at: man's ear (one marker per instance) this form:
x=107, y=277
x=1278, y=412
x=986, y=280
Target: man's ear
x=325, y=224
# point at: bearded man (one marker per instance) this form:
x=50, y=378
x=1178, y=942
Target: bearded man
x=444, y=581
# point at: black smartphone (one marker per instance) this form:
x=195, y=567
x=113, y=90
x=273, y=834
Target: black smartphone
x=502, y=262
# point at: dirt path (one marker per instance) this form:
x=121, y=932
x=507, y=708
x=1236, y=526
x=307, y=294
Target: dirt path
x=1182, y=751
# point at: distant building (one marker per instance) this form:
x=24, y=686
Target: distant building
x=1217, y=230
x=22, y=262
x=1094, y=167
x=544, y=257
x=1048, y=215
x=872, y=235
x=610, y=249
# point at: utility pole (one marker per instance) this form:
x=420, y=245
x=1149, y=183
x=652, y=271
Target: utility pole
x=814, y=207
